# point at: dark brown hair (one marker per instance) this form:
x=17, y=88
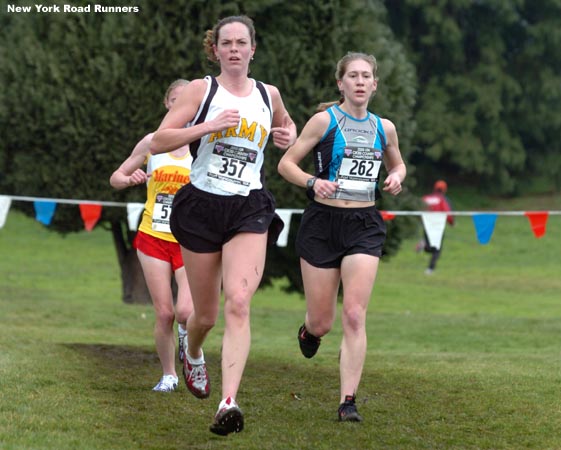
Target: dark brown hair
x=211, y=36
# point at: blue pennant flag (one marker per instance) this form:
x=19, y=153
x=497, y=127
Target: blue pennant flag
x=484, y=226
x=44, y=211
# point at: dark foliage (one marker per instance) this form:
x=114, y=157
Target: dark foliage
x=83, y=89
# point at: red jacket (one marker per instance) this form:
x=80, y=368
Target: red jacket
x=437, y=201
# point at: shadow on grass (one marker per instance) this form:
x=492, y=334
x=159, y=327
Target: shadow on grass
x=262, y=373
x=118, y=361
x=291, y=403
x=116, y=356
x=121, y=378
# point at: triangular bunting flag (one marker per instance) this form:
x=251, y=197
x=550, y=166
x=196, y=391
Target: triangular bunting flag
x=90, y=214
x=5, y=203
x=134, y=210
x=44, y=211
x=538, y=221
x=484, y=226
x=285, y=215
x=434, y=224
x=387, y=216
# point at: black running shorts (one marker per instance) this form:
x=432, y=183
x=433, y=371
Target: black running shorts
x=203, y=222
x=327, y=234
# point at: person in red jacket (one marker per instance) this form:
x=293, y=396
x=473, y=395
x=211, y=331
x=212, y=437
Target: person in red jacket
x=436, y=201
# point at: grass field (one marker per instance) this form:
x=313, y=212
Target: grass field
x=468, y=358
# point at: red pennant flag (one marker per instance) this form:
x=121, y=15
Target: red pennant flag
x=90, y=214
x=387, y=216
x=538, y=220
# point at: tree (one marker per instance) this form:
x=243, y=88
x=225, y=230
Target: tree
x=488, y=87
x=82, y=89
x=306, y=40
x=536, y=62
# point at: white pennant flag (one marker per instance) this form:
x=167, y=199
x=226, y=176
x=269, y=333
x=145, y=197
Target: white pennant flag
x=5, y=203
x=434, y=224
x=134, y=210
x=285, y=215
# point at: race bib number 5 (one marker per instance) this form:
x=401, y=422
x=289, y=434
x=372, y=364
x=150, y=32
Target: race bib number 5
x=231, y=168
x=162, y=212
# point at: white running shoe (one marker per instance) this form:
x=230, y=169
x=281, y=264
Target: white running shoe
x=168, y=383
x=196, y=378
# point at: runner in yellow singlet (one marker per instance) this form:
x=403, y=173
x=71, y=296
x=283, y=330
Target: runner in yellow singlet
x=157, y=249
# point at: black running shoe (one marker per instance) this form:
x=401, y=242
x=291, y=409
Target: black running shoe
x=309, y=344
x=347, y=410
x=228, y=419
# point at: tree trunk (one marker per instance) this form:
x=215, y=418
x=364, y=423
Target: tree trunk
x=132, y=278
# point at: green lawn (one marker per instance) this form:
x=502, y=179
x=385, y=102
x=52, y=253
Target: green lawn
x=468, y=358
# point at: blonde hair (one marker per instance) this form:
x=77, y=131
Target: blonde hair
x=212, y=36
x=172, y=86
x=341, y=70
